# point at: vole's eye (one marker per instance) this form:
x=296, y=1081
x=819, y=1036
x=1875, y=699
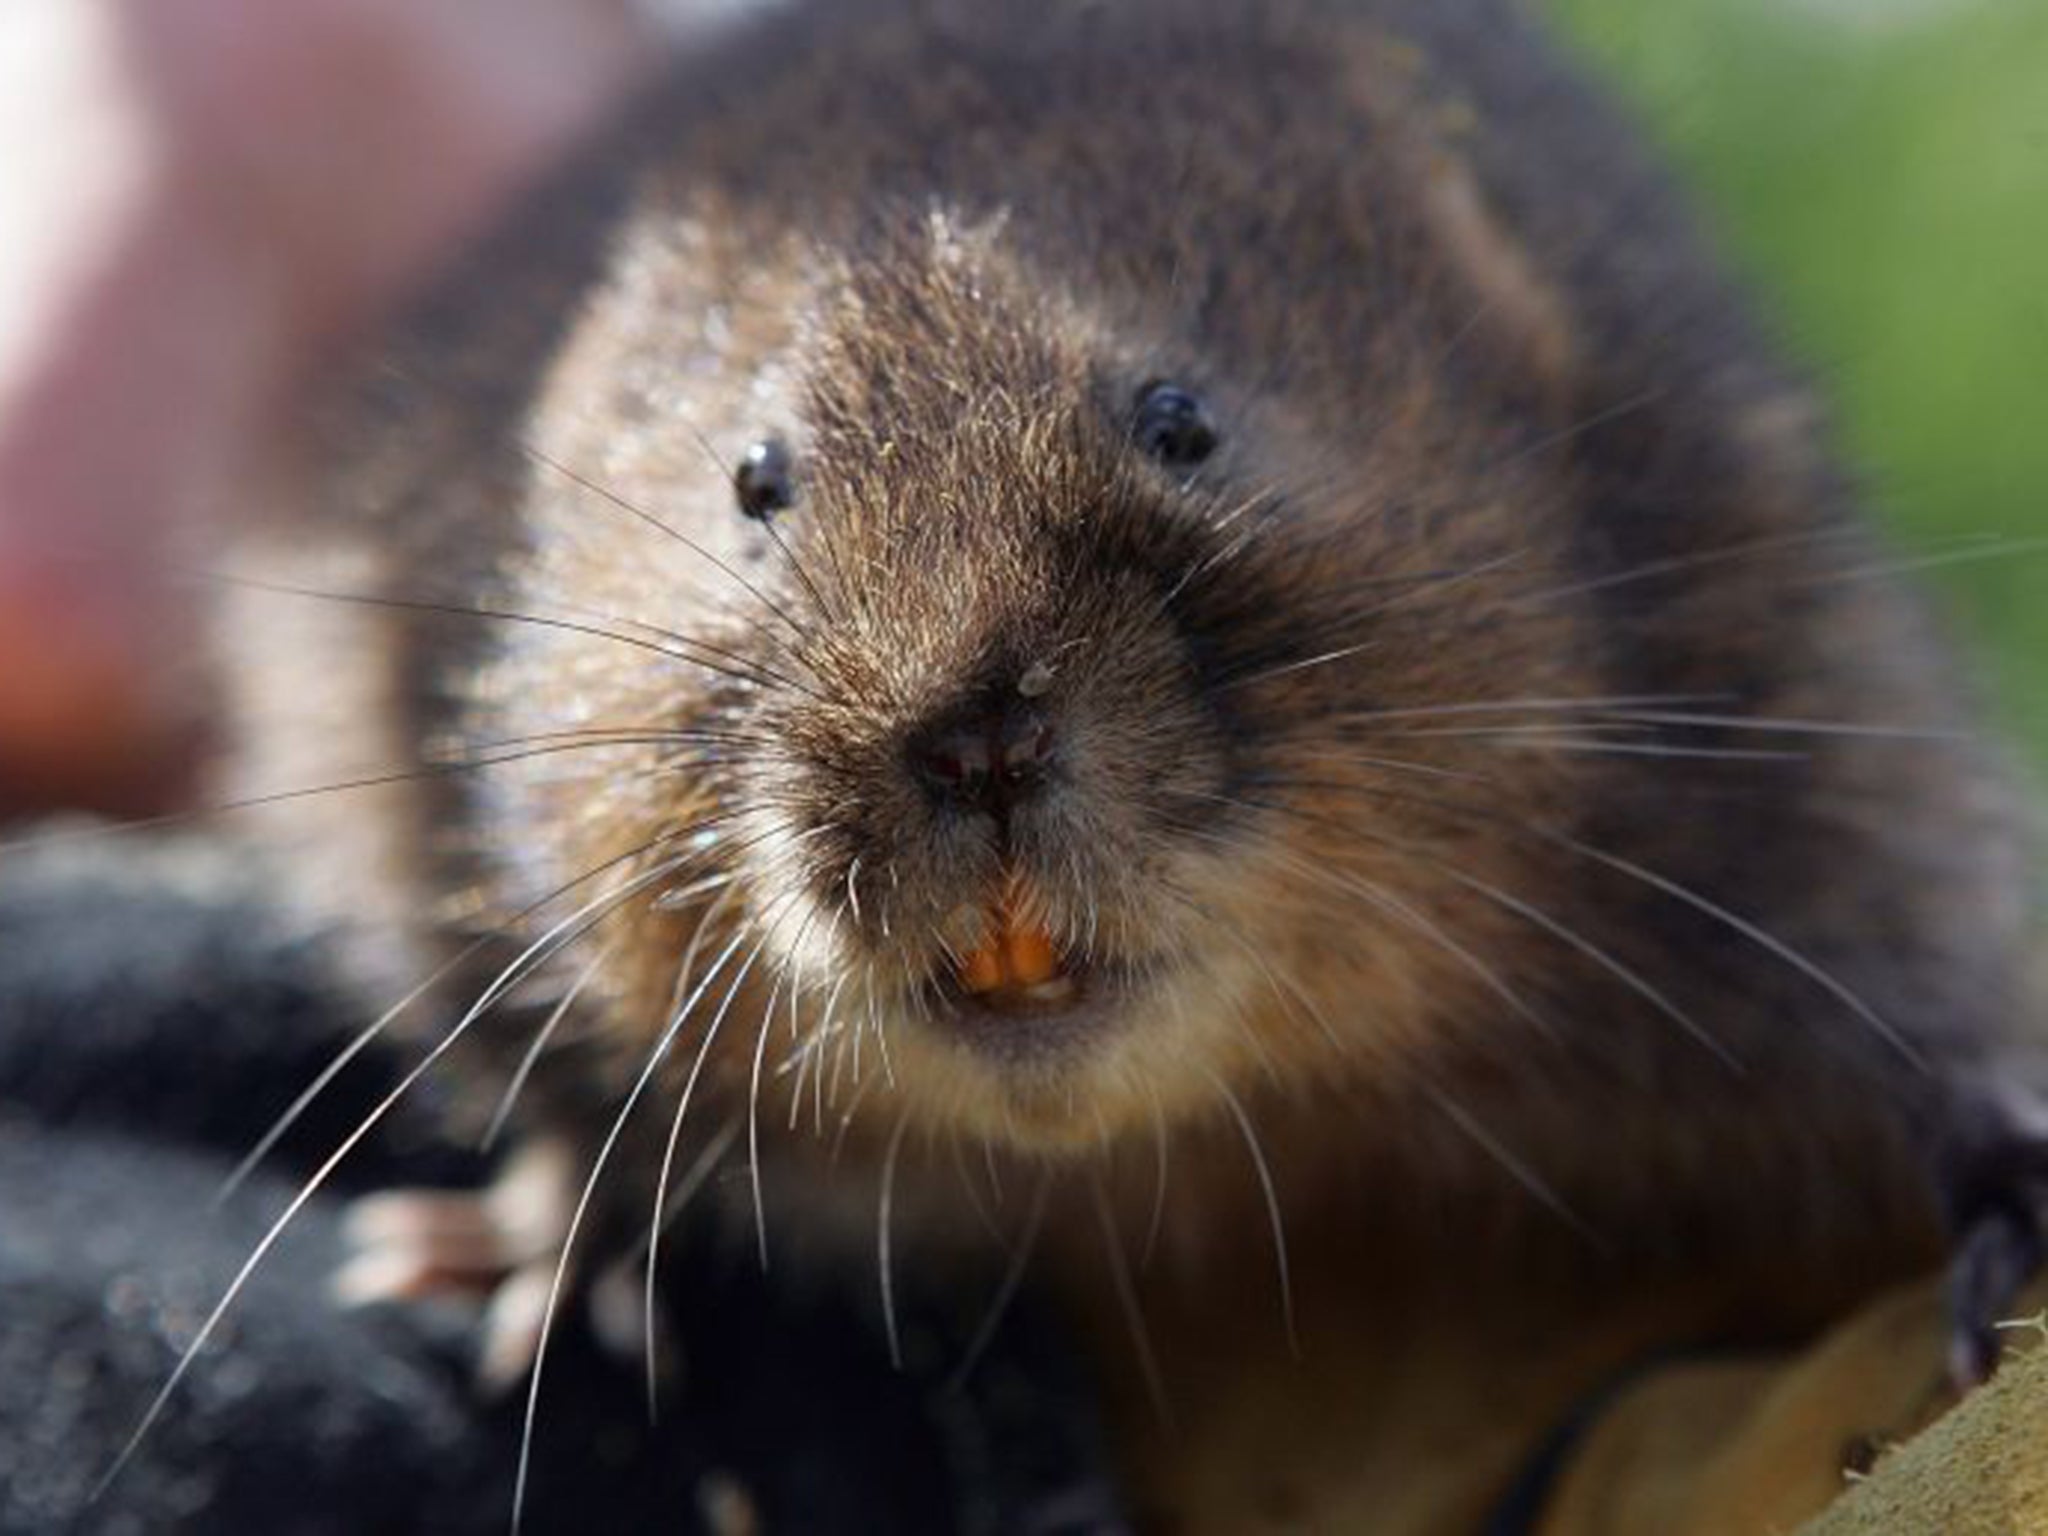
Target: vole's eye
x=1171, y=425
x=765, y=482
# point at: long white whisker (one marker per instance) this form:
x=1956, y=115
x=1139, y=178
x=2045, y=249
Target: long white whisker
x=1673, y=565
x=1536, y=705
x=1272, y=1197
x=1540, y=741
x=1006, y=1291
x=1161, y=1160
x=613, y=498
x=673, y=1204
x=884, y=1224
x=1787, y=725
x=785, y=973
x=538, y=1046
x=1127, y=1299
x=1515, y=1167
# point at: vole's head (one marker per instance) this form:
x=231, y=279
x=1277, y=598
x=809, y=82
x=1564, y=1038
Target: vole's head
x=1067, y=702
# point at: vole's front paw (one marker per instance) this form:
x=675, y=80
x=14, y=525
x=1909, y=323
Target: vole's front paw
x=2000, y=1206
x=501, y=1248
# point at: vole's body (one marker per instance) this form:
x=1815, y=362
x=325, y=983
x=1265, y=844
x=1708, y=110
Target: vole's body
x=1500, y=782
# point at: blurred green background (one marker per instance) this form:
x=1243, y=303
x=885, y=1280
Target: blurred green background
x=1880, y=169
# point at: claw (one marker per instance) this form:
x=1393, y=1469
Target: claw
x=419, y=1243
x=512, y=1329
x=619, y=1319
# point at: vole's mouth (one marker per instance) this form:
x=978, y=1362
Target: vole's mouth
x=1020, y=993
x=1018, y=968
x=1030, y=1021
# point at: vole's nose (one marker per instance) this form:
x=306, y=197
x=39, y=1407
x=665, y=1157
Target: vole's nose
x=990, y=760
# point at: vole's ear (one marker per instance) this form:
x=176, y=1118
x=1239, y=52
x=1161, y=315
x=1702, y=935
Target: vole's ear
x=1517, y=312
x=1521, y=320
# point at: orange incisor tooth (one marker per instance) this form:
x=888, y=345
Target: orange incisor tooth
x=1018, y=952
x=1030, y=956
x=982, y=971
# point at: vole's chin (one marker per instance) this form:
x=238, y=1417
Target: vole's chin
x=1055, y=1069
x=1050, y=1021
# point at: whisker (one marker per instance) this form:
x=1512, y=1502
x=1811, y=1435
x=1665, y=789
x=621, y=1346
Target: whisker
x=1157, y=1222
x=982, y=1214
x=1536, y=705
x=1285, y=988
x=394, y=603
x=1999, y=548
x=1434, y=585
x=882, y=1240
x=1006, y=1291
x=1678, y=564
x=674, y=1203
x=882, y=1050
x=642, y=733
x=1790, y=725
x=729, y=472
x=826, y=1031
x=64, y=835
x=860, y=1093
x=1639, y=401
x=69, y=835
x=1536, y=741
x=539, y=1045
x=1342, y=653
x=535, y=454
x=1222, y=554
x=1272, y=1197
x=253, y=1158
x=796, y=568
x=623, y=505
x=785, y=972
x=995, y=1180
x=1127, y=1300
x=1592, y=726
x=694, y=1178
x=1397, y=764
x=1532, y=1182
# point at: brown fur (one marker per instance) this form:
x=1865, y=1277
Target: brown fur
x=1491, y=434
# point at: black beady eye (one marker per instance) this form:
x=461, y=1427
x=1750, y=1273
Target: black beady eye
x=765, y=481
x=1170, y=424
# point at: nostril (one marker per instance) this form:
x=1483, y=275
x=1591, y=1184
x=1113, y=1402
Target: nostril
x=989, y=762
x=958, y=762
x=1027, y=744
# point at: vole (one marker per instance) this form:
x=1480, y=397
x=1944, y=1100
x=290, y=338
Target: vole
x=1191, y=649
